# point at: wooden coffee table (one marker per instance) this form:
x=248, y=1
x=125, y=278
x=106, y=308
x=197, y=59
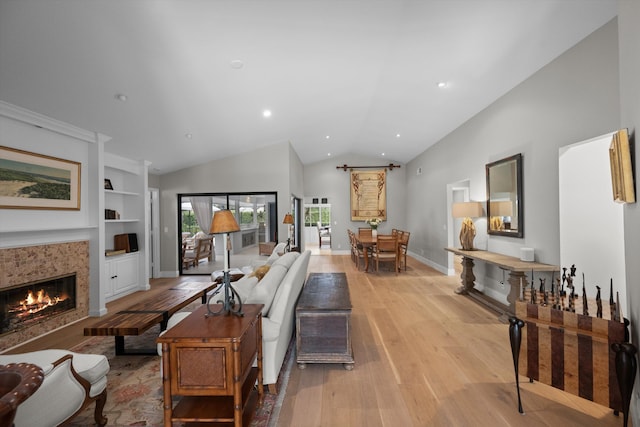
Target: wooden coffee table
x=142, y=316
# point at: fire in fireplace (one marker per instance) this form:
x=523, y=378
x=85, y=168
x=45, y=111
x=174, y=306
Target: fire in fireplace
x=34, y=302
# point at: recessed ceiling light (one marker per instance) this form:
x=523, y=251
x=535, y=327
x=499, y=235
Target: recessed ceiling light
x=236, y=64
x=442, y=85
x=382, y=154
x=188, y=135
x=266, y=113
x=121, y=97
x=397, y=135
x=329, y=154
x=327, y=137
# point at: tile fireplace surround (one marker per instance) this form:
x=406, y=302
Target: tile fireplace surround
x=29, y=264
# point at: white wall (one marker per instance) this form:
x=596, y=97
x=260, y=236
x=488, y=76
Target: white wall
x=322, y=179
x=571, y=99
x=267, y=169
x=23, y=136
x=591, y=223
x=629, y=16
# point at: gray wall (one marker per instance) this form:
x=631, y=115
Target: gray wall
x=268, y=169
x=322, y=179
x=571, y=99
x=629, y=17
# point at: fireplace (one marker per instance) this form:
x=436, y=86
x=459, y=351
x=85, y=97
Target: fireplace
x=35, y=302
x=36, y=264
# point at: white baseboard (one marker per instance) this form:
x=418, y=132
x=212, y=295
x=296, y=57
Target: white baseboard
x=425, y=261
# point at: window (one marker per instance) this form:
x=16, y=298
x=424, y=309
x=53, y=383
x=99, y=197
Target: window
x=314, y=213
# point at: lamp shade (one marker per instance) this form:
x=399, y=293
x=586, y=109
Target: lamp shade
x=504, y=208
x=288, y=219
x=467, y=210
x=223, y=222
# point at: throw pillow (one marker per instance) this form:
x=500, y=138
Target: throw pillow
x=260, y=272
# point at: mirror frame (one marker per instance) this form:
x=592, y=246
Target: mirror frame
x=519, y=197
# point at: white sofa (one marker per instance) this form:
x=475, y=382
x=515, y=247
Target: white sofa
x=278, y=290
x=71, y=382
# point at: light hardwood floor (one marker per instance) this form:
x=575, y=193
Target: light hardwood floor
x=424, y=357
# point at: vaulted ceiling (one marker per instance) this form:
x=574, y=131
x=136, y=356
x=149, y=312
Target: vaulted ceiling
x=195, y=76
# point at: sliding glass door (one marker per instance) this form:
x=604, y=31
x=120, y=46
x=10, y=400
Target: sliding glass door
x=256, y=214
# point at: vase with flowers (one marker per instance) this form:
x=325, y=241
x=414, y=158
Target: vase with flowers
x=373, y=223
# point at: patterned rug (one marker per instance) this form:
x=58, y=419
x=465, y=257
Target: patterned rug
x=135, y=387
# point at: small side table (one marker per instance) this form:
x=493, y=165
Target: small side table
x=208, y=361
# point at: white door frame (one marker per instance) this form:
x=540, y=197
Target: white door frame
x=154, y=232
x=456, y=192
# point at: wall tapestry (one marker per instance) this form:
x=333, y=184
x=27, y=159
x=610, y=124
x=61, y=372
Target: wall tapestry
x=368, y=195
x=35, y=181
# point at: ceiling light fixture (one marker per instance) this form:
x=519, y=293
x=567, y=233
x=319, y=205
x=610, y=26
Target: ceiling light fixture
x=327, y=137
x=382, y=154
x=397, y=135
x=188, y=135
x=121, y=97
x=328, y=154
x=442, y=85
x=266, y=113
x=236, y=64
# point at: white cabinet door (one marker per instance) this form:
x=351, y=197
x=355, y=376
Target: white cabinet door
x=127, y=272
x=121, y=275
x=109, y=278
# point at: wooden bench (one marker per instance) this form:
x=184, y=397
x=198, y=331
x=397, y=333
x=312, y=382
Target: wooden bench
x=142, y=316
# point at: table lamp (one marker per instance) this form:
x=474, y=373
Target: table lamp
x=467, y=210
x=288, y=220
x=223, y=222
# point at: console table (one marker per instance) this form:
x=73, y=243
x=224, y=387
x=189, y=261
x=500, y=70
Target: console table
x=516, y=267
x=208, y=361
x=323, y=321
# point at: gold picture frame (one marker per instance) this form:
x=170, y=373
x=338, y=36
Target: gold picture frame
x=621, y=168
x=368, y=195
x=36, y=181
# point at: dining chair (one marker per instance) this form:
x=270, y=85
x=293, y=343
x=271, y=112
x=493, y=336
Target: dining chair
x=403, y=244
x=357, y=251
x=386, y=250
x=323, y=232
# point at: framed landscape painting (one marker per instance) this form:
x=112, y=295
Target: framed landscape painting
x=35, y=181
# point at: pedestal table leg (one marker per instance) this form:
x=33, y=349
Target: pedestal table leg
x=467, y=276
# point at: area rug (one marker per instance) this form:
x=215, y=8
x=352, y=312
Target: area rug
x=135, y=387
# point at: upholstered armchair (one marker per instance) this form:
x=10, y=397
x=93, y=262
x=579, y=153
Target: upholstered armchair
x=72, y=381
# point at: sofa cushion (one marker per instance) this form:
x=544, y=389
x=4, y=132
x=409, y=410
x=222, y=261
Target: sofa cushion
x=287, y=259
x=245, y=286
x=277, y=251
x=289, y=289
x=265, y=290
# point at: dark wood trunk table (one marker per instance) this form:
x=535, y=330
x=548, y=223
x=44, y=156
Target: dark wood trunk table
x=323, y=321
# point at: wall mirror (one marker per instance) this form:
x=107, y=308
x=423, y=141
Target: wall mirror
x=504, y=197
